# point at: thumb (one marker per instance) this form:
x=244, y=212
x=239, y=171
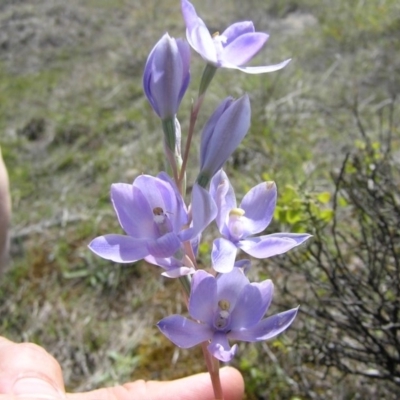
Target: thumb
x=195, y=387
x=27, y=371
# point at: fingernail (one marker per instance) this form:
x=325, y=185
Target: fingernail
x=34, y=387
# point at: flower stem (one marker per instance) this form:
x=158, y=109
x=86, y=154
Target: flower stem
x=213, y=370
x=193, y=117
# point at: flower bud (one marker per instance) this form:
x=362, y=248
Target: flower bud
x=222, y=134
x=166, y=76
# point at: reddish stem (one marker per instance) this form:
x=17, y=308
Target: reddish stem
x=193, y=117
x=213, y=370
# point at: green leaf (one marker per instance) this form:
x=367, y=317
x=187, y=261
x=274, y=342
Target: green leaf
x=326, y=215
x=324, y=197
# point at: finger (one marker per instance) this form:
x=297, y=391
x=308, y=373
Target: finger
x=196, y=387
x=5, y=213
x=26, y=368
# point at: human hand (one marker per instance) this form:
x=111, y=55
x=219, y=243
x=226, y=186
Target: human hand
x=27, y=371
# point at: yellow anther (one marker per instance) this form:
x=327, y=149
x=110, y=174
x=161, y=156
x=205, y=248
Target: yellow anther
x=224, y=304
x=215, y=34
x=236, y=212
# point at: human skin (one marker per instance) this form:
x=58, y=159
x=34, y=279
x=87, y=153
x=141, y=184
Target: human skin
x=28, y=371
x=5, y=213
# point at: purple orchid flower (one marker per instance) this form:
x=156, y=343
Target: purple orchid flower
x=238, y=224
x=221, y=135
x=152, y=213
x=238, y=44
x=166, y=75
x=228, y=307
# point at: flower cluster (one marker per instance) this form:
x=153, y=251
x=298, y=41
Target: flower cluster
x=161, y=229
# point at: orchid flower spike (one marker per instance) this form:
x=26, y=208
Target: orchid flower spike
x=237, y=45
x=225, y=308
x=152, y=213
x=237, y=224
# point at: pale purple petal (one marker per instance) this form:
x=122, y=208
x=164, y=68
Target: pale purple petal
x=166, y=75
x=132, y=210
x=259, y=206
x=184, y=51
x=178, y=272
x=197, y=33
x=174, y=202
x=229, y=131
x=119, y=248
x=203, y=297
x=147, y=81
x=258, y=70
x=223, y=255
x=166, y=263
x=220, y=348
x=224, y=196
x=231, y=285
x=174, y=267
x=252, y=304
x=204, y=210
x=243, y=48
x=208, y=130
x=155, y=192
x=235, y=30
x=164, y=246
x=183, y=332
x=244, y=265
x=272, y=245
x=265, y=329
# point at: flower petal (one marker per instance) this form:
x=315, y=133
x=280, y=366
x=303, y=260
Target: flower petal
x=208, y=129
x=230, y=285
x=178, y=272
x=166, y=263
x=132, y=210
x=252, y=304
x=164, y=246
x=267, y=328
x=220, y=348
x=259, y=206
x=224, y=196
x=197, y=33
x=203, y=297
x=119, y=248
x=166, y=75
x=228, y=132
x=174, y=267
x=272, y=245
x=258, y=70
x=223, y=255
x=156, y=192
x=237, y=29
x=204, y=210
x=184, y=51
x=183, y=332
x=173, y=204
x=243, y=48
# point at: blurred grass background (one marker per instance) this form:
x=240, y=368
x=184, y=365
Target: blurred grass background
x=73, y=120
